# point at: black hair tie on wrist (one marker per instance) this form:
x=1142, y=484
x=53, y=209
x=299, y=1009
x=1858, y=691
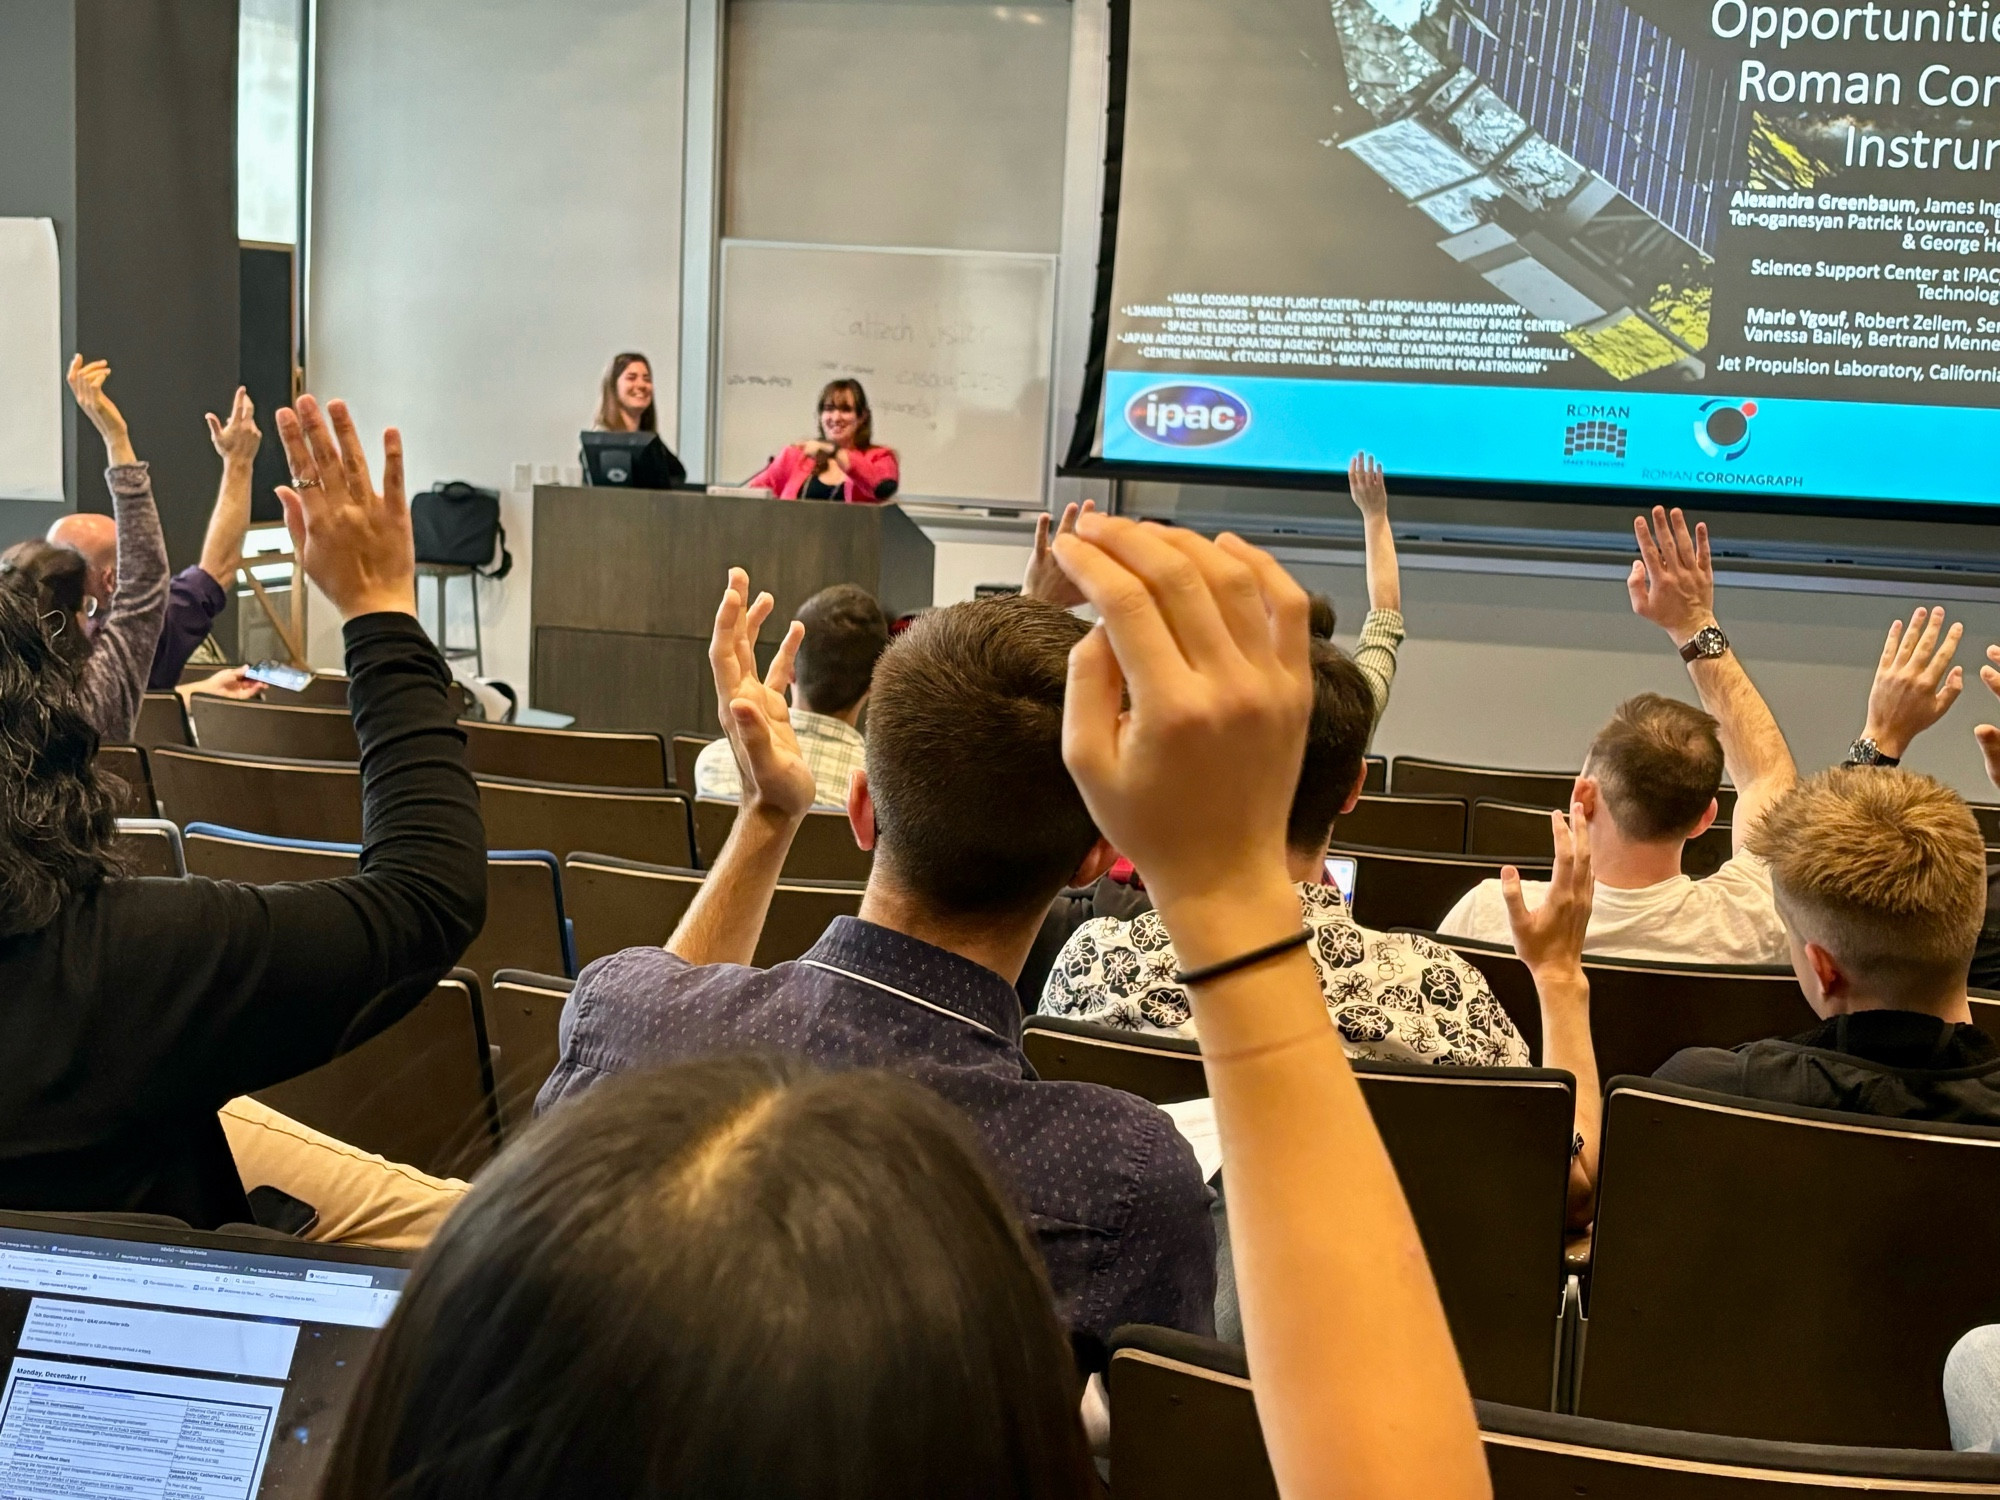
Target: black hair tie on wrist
x=1255, y=956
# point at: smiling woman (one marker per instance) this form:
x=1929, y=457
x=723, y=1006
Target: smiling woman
x=840, y=462
x=625, y=404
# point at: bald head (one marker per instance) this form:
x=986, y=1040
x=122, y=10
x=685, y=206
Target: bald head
x=96, y=537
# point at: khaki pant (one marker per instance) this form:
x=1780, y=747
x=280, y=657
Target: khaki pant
x=363, y=1199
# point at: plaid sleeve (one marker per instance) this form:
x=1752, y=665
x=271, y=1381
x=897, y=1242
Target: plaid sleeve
x=1375, y=653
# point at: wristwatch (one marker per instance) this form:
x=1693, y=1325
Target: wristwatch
x=1865, y=752
x=1705, y=644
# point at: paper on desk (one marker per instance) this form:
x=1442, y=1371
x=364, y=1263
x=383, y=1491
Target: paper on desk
x=1195, y=1120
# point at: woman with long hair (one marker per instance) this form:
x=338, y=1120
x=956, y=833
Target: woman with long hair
x=114, y=644
x=738, y=1279
x=625, y=401
x=841, y=462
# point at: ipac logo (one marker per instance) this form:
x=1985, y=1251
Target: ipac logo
x=1188, y=416
x=1722, y=427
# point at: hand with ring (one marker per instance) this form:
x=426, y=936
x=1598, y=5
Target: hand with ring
x=351, y=540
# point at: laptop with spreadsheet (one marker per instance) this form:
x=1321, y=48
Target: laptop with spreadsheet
x=156, y=1361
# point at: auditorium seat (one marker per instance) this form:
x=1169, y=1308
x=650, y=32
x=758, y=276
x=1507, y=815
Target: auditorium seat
x=1642, y=1013
x=1415, y=774
x=248, y=727
x=134, y=791
x=1483, y=1156
x=1988, y=817
x=163, y=720
x=622, y=903
x=1397, y=888
x=687, y=750
x=523, y=1014
x=326, y=690
x=1184, y=1427
x=823, y=848
x=291, y=799
x=1515, y=830
x=420, y=1091
x=576, y=757
x=1765, y=1270
x=1375, y=776
x=1986, y=1012
x=150, y=846
x=632, y=822
x=525, y=921
x=1429, y=825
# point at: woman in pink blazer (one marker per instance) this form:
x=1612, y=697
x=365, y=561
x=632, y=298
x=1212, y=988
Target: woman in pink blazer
x=841, y=463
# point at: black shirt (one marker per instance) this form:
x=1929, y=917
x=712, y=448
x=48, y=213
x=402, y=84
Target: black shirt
x=148, y=1004
x=816, y=490
x=1896, y=1063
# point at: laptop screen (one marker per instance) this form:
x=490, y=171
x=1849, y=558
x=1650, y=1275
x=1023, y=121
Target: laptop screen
x=157, y=1362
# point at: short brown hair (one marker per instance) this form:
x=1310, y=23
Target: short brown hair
x=846, y=633
x=1659, y=764
x=1883, y=868
x=974, y=810
x=1343, y=715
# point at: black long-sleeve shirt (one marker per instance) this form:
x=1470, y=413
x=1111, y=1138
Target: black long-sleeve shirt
x=148, y=1004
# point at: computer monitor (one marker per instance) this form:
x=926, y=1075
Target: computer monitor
x=163, y=1361
x=630, y=460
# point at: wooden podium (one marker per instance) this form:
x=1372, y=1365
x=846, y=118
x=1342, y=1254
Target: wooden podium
x=626, y=583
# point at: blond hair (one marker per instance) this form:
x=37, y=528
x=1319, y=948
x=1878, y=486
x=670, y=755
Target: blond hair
x=1885, y=869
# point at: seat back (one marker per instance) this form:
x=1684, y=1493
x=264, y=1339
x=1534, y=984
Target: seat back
x=622, y=903
x=1641, y=1013
x=1432, y=825
x=420, y=1091
x=1183, y=1419
x=1764, y=1270
x=822, y=849
x=251, y=728
x=1515, y=830
x=1532, y=1455
x=686, y=749
x=1375, y=773
x=151, y=846
x=633, y=823
x=1397, y=888
x=163, y=720
x=1986, y=1012
x=523, y=1014
x=127, y=765
x=326, y=690
x=1483, y=1156
x=525, y=926
x=574, y=757
x=1415, y=775
x=1988, y=817
x=291, y=799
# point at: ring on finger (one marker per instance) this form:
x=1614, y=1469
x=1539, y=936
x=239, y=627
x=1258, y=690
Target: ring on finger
x=303, y=484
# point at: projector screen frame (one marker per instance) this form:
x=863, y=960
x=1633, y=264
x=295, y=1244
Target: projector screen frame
x=1079, y=462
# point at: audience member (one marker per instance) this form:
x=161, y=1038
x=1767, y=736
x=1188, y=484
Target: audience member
x=1649, y=784
x=1392, y=995
x=138, y=1008
x=1186, y=715
x=1880, y=878
x=201, y=592
x=106, y=608
x=1382, y=630
x=975, y=825
x=845, y=633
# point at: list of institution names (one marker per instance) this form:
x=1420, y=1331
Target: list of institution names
x=1865, y=288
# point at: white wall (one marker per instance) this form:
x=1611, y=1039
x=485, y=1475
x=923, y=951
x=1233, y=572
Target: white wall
x=496, y=211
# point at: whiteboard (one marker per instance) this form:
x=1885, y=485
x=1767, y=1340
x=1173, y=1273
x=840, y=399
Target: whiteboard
x=31, y=389
x=952, y=347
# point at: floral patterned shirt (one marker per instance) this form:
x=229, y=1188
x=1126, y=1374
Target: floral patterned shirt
x=1395, y=996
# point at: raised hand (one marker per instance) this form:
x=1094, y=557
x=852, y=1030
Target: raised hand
x=1549, y=939
x=1364, y=483
x=1045, y=579
x=1194, y=779
x=86, y=383
x=230, y=682
x=238, y=439
x=353, y=541
x=1673, y=582
x=753, y=710
x=1987, y=735
x=1915, y=683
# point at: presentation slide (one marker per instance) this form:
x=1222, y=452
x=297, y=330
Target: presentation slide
x=1717, y=246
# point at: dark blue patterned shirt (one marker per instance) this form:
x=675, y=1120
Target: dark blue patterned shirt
x=1109, y=1188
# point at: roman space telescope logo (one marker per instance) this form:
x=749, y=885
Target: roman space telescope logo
x=1188, y=416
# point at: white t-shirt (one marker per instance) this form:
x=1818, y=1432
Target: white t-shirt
x=1728, y=918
